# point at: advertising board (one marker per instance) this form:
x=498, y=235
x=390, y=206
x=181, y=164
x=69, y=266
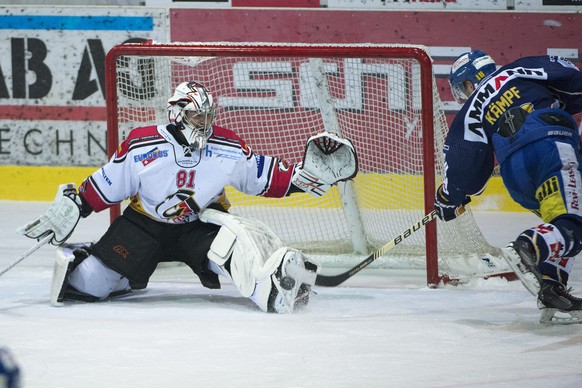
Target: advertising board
x=52, y=95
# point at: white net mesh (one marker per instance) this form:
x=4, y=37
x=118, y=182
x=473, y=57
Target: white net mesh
x=273, y=103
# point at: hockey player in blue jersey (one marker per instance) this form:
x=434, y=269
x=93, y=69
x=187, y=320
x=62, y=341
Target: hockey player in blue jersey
x=520, y=115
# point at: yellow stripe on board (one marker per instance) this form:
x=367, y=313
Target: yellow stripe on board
x=382, y=187
x=34, y=183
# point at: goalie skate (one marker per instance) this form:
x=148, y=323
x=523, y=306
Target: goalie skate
x=518, y=259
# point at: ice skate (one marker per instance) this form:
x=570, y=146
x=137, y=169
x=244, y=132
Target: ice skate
x=554, y=298
x=521, y=260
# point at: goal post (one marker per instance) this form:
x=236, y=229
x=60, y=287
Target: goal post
x=275, y=95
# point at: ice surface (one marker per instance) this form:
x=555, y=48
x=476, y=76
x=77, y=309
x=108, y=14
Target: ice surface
x=382, y=328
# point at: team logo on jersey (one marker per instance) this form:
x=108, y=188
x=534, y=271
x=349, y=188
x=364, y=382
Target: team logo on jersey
x=180, y=207
x=150, y=156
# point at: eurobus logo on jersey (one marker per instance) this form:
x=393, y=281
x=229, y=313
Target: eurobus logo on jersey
x=150, y=156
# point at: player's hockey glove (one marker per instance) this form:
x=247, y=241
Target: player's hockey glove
x=446, y=210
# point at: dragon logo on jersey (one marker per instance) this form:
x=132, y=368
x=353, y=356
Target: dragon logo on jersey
x=179, y=208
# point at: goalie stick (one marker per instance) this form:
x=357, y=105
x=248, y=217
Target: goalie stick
x=336, y=280
x=33, y=249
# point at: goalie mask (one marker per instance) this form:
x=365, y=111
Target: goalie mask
x=193, y=110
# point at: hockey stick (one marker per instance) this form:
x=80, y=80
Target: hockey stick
x=33, y=249
x=336, y=280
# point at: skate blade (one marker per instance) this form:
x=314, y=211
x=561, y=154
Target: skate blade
x=556, y=317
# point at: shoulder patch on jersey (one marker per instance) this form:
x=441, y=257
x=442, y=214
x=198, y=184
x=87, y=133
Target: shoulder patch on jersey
x=140, y=137
x=226, y=137
x=224, y=134
x=143, y=134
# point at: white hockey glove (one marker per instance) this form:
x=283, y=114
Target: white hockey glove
x=60, y=219
x=328, y=159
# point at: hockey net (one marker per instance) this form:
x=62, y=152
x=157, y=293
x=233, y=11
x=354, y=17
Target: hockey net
x=382, y=97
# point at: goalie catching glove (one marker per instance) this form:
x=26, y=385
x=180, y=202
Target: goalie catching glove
x=60, y=219
x=328, y=159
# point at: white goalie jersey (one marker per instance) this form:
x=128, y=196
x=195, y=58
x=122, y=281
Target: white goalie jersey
x=171, y=183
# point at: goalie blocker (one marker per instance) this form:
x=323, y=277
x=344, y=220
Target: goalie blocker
x=328, y=159
x=60, y=218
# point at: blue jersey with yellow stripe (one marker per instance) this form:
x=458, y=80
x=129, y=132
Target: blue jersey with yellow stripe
x=532, y=83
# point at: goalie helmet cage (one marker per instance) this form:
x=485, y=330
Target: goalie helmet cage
x=275, y=95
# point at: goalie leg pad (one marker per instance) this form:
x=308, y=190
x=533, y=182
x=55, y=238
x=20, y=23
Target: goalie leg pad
x=222, y=246
x=67, y=258
x=273, y=276
x=93, y=278
x=246, y=244
x=73, y=269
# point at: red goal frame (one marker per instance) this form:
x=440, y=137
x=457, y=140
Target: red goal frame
x=296, y=50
